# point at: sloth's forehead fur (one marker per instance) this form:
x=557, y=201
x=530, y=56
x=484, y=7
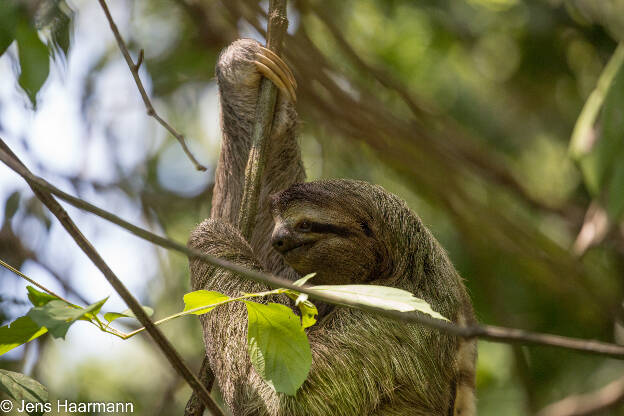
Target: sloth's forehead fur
x=300, y=194
x=337, y=194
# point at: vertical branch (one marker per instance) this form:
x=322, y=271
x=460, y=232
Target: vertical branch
x=265, y=109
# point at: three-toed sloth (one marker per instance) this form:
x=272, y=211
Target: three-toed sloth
x=347, y=232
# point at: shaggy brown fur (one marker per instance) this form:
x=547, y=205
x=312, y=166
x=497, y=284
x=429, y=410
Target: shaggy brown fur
x=354, y=232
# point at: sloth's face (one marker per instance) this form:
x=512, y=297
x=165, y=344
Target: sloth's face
x=328, y=242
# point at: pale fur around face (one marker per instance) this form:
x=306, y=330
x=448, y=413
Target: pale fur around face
x=361, y=365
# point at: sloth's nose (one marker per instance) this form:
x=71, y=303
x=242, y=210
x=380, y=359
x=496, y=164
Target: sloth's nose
x=282, y=240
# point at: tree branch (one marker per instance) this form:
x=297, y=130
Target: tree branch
x=263, y=121
x=174, y=358
x=486, y=332
x=134, y=69
x=194, y=406
x=256, y=162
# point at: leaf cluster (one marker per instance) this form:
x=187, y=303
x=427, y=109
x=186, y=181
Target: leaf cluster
x=277, y=344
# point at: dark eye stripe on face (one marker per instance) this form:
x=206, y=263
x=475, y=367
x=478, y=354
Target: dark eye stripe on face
x=316, y=227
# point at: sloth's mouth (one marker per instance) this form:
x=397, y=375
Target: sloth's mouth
x=299, y=247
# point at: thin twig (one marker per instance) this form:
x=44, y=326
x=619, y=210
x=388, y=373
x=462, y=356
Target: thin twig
x=486, y=332
x=165, y=346
x=134, y=69
x=32, y=282
x=587, y=404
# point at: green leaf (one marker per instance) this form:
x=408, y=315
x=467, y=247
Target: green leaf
x=307, y=308
x=33, y=59
x=38, y=298
x=93, y=310
x=8, y=18
x=19, y=332
x=111, y=316
x=201, y=298
x=58, y=315
x=389, y=298
x=304, y=279
x=278, y=346
x=20, y=387
x=308, y=312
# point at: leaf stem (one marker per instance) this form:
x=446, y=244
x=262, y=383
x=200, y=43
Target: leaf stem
x=201, y=308
x=134, y=69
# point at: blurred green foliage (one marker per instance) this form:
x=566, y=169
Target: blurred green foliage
x=479, y=149
x=598, y=144
x=24, y=22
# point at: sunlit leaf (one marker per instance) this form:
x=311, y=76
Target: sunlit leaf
x=308, y=313
x=57, y=316
x=96, y=307
x=278, y=346
x=93, y=310
x=111, y=316
x=23, y=388
x=304, y=279
x=389, y=298
x=19, y=332
x=201, y=298
x=307, y=308
x=39, y=298
x=33, y=58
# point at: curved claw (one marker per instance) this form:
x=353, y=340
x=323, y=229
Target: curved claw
x=272, y=67
x=279, y=61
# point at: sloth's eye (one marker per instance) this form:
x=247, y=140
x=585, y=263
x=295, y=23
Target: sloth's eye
x=304, y=226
